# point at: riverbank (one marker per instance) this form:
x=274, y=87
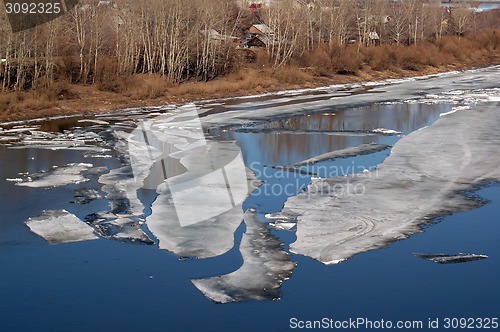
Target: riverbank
x=64, y=99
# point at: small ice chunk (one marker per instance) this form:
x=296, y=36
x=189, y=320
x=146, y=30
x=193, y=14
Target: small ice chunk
x=8, y=138
x=100, y=122
x=285, y=226
x=19, y=130
x=450, y=259
x=56, y=177
x=275, y=216
x=85, y=196
x=386, y=131
x=122, y=229
x=60, y=226
x=17, y=180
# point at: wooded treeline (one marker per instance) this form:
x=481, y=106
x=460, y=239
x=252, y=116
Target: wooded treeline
x=97, y=44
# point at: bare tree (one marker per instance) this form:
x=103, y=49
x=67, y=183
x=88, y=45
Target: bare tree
x=461, y=20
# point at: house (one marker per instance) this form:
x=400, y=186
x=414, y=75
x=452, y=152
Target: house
x=259, y=42
x=260, y=30
x=259, y=35
x=373, y=37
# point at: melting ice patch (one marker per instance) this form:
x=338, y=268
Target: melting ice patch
x=121, y=187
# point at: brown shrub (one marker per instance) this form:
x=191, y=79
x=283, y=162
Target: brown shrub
x=380, y=58
x=430, y=55
x=452, y=47
x=318, y=60
x=60, y=90
x=409, y=58
x=488, y=40
x=348, y=62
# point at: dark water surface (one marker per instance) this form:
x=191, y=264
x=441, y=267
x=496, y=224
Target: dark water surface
x=106, y=285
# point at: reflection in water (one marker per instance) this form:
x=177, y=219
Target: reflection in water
x=283, y=148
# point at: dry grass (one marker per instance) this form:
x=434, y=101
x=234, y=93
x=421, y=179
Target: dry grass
x=291, y=75
x=32, y=102
x=146, y=86
x=242, y=82
x=139, y=86
x=15, y=103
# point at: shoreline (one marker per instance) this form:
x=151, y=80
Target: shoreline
x=102, y=102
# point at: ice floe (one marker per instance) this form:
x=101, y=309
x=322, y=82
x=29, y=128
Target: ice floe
x=60, y=226
x=265, y=266
x=343, y=153
x=424, y=177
